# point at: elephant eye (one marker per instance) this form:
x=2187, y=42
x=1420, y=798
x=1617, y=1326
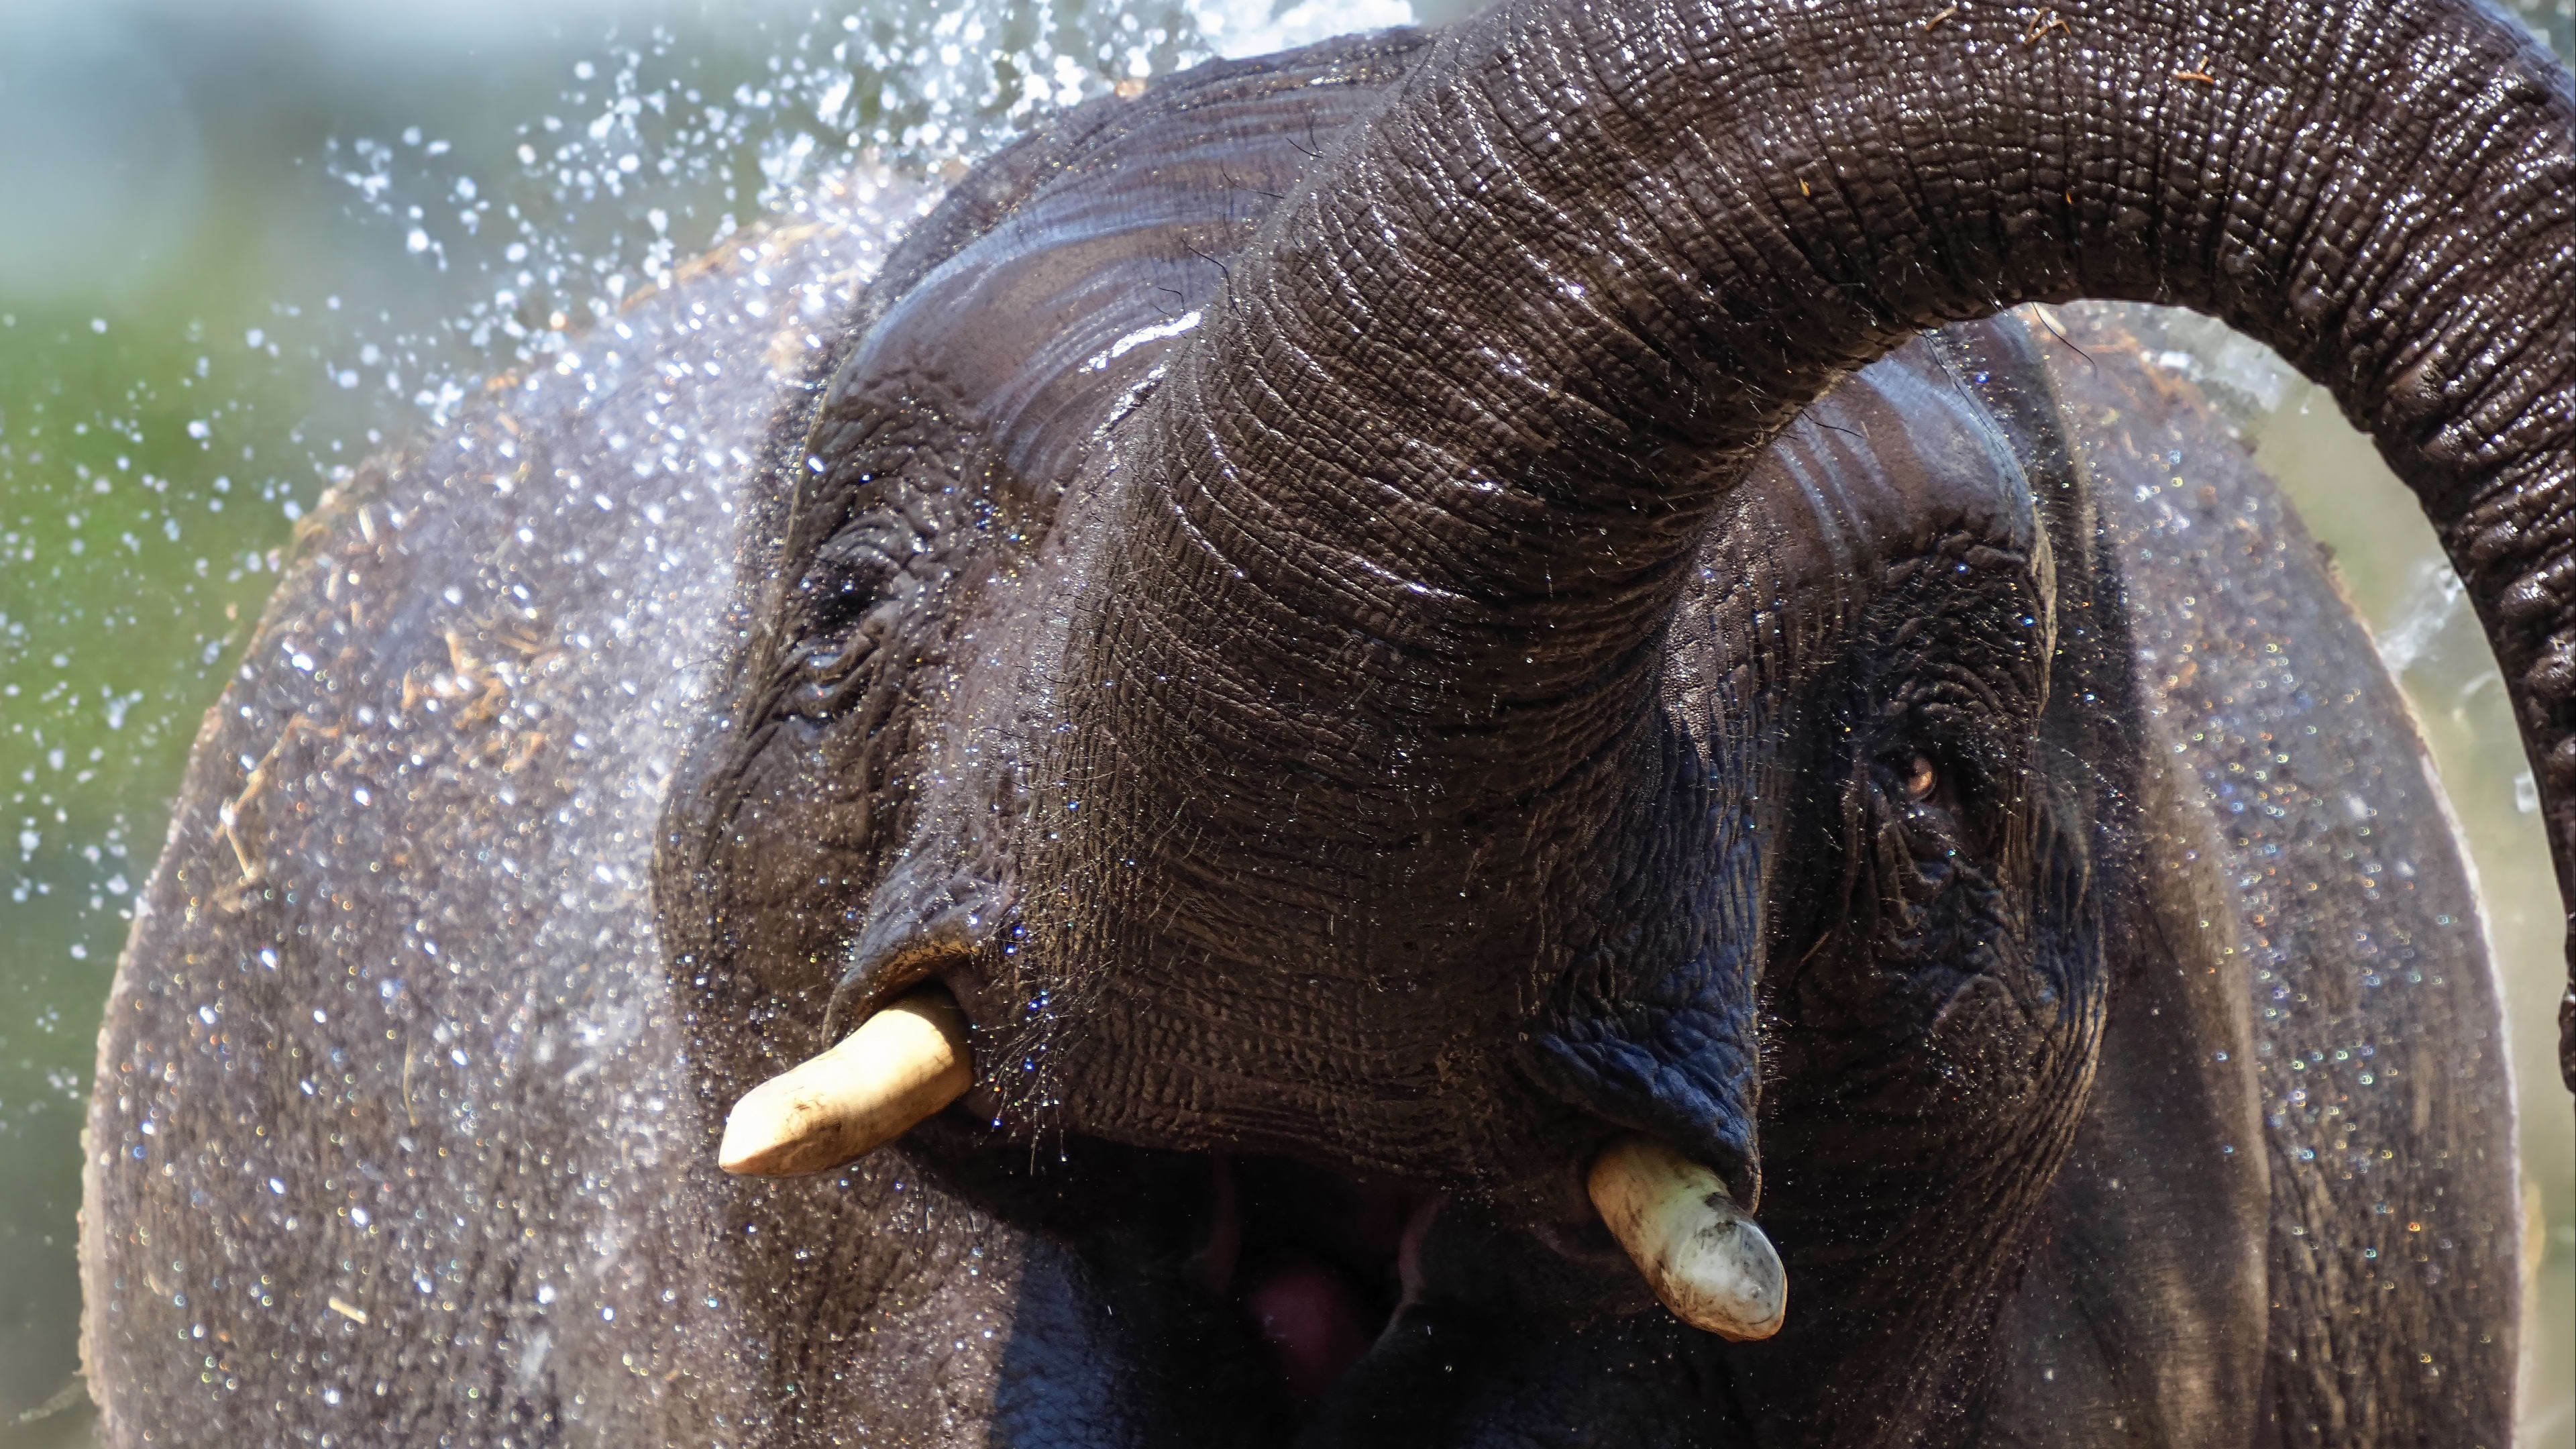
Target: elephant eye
x=819, y=660
x=1921, y=779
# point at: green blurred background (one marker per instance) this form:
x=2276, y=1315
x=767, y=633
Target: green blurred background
x=241, y=246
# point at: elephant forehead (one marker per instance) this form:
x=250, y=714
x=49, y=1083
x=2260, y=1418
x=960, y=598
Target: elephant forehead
x=1898, y=458
x=1108, y=247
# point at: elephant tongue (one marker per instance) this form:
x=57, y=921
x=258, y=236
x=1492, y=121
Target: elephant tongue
x=1310, y=1260
x=1311, y=1321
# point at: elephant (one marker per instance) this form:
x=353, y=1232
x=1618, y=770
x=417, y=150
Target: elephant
x=1371, y=639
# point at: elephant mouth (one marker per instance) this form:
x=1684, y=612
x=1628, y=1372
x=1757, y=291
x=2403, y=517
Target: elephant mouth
x=1319, y=1269
x=1314, y=1265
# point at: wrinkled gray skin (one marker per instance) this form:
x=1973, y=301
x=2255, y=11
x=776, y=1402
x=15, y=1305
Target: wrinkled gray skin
x=1496, y=678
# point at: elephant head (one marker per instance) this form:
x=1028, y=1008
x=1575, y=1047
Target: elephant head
x=1395, y=733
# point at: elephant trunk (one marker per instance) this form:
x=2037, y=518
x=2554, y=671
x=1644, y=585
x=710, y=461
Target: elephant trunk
x=1397, y=536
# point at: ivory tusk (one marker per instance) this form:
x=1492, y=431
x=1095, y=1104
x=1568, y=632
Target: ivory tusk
x=1699, y=1252
x=901, y=1065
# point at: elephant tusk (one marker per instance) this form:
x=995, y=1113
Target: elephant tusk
x=1699, y=1252
x=901, y=1065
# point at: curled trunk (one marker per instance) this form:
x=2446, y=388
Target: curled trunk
x=1417, y=504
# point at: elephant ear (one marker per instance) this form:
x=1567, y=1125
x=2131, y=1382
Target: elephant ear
x=1455, y=428
x=2296, y=843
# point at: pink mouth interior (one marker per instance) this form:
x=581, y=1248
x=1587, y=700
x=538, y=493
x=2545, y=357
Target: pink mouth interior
x=1315, y=1264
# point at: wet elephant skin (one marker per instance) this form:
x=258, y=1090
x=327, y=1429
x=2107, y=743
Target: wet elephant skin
x=2137, y=1082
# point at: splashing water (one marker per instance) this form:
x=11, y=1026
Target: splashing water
x=2434, y=597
